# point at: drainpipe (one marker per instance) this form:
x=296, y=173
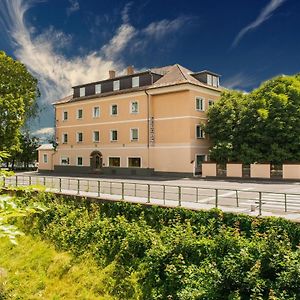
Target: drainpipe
x=148, y=126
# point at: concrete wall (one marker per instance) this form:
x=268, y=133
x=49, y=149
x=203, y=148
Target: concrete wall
x=260, y=170
x=209, y=169
x=291, y=171
x=46, y=166
x=234, y=170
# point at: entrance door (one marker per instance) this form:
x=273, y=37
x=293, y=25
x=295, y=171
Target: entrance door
x=200, y=158
x=96, y=160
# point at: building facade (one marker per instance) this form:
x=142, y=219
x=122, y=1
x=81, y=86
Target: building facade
x=139, y=123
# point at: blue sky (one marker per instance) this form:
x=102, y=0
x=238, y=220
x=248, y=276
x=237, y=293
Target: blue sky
x=68, y=42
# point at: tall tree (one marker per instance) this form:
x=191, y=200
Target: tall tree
x=263, y=125
x=18, y=94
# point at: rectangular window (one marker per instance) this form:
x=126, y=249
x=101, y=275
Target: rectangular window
x=79, y=113
x=98, y=88
x=135, y=81
x=199, y=104
x=79, y=137
x=199, y=160
x=113, y=135
x=65, y=115
x=134, y=162
x=210, y=102
x=134, y=107
x=114, y=161
x=96, y=136
x=82, y=92
x=215, y=81
x=114, y=109
x=96, y=112
x=79, y=161
x=134, y=134
x=65, y=138
x=45, y=158
x=209, y=79
x=116, y=85
x=64, y=160
x=199, y=132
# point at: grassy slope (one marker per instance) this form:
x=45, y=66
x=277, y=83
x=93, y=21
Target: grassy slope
x=34, y=270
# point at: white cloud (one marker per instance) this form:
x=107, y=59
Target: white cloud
x=74, y=6
x=239, y=81
x=44, y=131
x=125, y=12
x=264, y=15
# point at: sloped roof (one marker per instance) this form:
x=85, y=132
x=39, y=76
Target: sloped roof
x=64, y=100
x=46, y=147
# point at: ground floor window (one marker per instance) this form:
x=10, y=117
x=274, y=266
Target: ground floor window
x=79, y=161
x=114, y=161
x=64, y=160
x=134, y=162
x=45, y=158
x=200, y=158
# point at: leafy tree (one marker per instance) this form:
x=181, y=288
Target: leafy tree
x=18, y=94
x=263, y=125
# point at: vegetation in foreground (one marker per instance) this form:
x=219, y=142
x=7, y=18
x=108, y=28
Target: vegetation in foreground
x=155, y=253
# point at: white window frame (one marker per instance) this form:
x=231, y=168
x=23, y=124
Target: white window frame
x=94, y=140
x=130, y=107
x=63, y=115
x=93, y=112
x=77, y=114
x=111, y=106
x=64, y=158
x=134, y=157
x=98, y=88
x=116, y=85
x=82, y=91
x=202, y=101
x=113, y=157
x=63, y=138
x=203, y=133
x=111, y=135
x=45, y=158
x=131, y=134
x=77, y=161
x=215, y=81
x=209, y=79
x=135, y=81
x=77, y=136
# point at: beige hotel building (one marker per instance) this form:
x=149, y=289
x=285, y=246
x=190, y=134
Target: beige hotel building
x=136, y=124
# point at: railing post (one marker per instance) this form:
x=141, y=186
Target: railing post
x=78, y=186
x=88, y=185
x=197, y=195
x=237, y=198
x=259, y=203
x=4, y=183
x=44, y=181
x=123, y=191
x=59, y=184
x=29, y=180
x=16, y=180
x=110, y=188
x=68, y=183
x=217, y=196
x=135, y=190
x=149, y=193
x=164, y=194
x=285, y=203
x=99, y=187
x=179, y=196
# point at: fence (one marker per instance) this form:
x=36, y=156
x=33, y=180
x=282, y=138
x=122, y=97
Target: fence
x=170, y=195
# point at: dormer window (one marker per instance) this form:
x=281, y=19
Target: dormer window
x=98, y=88
x=215, y=81
x=82, y=92
x=212, y=80
x=209, y=79
x=136, y=81
x=116, y=85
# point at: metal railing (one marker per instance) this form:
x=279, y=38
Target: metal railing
x=193, y=197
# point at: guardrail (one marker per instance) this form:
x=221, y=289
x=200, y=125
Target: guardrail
x=171, y=195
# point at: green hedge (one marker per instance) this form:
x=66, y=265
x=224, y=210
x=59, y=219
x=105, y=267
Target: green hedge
x=160, y=253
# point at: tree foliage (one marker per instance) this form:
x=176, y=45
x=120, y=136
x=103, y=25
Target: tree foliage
x=18, y=94
x=263, y=125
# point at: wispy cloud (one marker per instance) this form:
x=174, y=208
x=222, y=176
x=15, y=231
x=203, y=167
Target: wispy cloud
x=240, y=81
x=74, y=6
x=43, y=53
x=264, y=15
x=44, y=131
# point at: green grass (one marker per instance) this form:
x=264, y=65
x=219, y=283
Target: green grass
x=34, y=270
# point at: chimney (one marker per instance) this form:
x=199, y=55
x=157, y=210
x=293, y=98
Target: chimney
x=130, y=70
x=112, y=74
